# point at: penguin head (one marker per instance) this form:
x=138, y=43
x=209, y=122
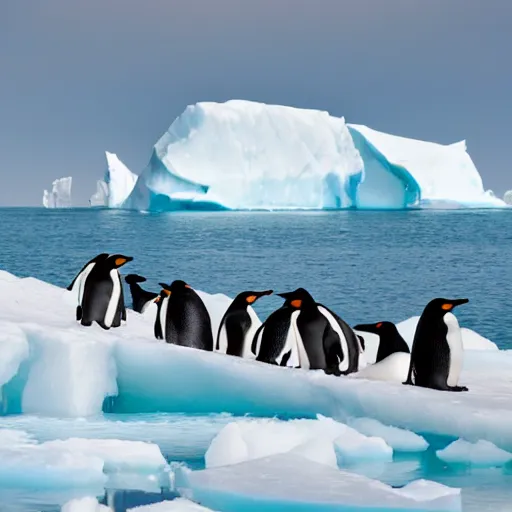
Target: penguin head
x=298, y=298
x=379, y=328
x=250, y=297
x=175, y=287
x=439, y=307
x=118, y=260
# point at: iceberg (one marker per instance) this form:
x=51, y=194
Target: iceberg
x=60, y=194
x=508, y=197
x=245, y=155
x=286, y=482
x=116, y=186
x=402, y=172
x=51, y=366
x=479, y=454
x=87, y=504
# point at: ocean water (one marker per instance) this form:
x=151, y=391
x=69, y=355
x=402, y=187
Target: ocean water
x=367, y=266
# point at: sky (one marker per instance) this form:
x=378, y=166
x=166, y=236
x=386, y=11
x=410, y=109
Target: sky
x=81, y=77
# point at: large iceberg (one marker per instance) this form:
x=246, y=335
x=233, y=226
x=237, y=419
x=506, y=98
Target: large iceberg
x=60, y=194
x=244, y=155
x=116, y=186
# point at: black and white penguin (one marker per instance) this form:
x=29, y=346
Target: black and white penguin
x=437, y=351
x=307, y=335
x=100, y=291
x=390, y=340
x=141, y=298
x=239, y=324
x=182, y=318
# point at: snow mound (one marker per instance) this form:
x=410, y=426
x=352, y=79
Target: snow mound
x=248, y=155
x=282, y=482
x=247, y=440
x=60, y=194
x=176, y=505
x=87, y=504
x=482, y=453
x=399, y=439
x=74, y=371
x=428, y=172
x=73, y=462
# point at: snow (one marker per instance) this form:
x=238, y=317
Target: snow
x=281, y=482
x=72, y=462
x=60, y=194
x=246, y=440
x=69, y=370
x=176, y=505
x=399, y=439
x=481, y=454
x=508, y=197
x=424, y=172
x=247, y=155
x=87, y=504
x=119, y=181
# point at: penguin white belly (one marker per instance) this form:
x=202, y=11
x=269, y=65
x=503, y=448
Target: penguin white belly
x=249, y=336
x=292, y=344
x=163, y=315
x=343, y=366
x=454, y=340
x=80, y=282
x=114, y=297
x=393, y=368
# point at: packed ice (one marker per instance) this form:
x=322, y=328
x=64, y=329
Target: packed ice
x=60, y=194
x=244, y=155
x=482, y=453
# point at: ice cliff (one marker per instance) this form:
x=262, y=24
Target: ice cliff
x=116, y=186
x=60, y=194
x=244, y=155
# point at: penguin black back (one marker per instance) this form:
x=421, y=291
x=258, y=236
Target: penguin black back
x=390, y=340
x=187, y=321
x=140, y=297
x=237, y=326
x=436, y=354
x=101, y=297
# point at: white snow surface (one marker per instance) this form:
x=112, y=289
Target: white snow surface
x=176, y=505
x=65, y=370
x=482, y=453
x=286, y=480
x=248, y=155
x=60, y=194
x=444, y=173
x=73, y=462
x=246, y=440
x=87, y=504
x=119, y=181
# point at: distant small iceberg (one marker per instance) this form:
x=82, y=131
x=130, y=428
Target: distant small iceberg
x=508, y=197
x=60, y=194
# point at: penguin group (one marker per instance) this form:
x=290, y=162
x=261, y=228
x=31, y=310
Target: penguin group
x=302, y=333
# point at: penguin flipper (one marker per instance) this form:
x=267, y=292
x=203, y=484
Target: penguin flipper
x=254, y=343
x=333, y=353
x=79, y=313
x=158, y=328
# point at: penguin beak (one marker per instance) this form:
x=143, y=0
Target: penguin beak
x=448, y=306
x=157, y=300
x=286, y=295
x=122, y=260
x=373, y=328
x=253, y=298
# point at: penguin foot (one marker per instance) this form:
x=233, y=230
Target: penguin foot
x=333, y=371
x=103, y=326
x=457, y=388
x=85, y=323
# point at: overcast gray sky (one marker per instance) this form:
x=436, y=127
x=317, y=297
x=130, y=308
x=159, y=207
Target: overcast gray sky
x=81, y=77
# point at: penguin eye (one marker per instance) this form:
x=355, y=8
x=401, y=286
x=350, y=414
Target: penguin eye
x=251, y=299
x=447, y=307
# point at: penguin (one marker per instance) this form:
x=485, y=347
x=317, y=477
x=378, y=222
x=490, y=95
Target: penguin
x=141, y=298
x=239, y=324
x=100, y=291
x=182, y=318
x=390, y=340
x=437, y=352
x=308, y=335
